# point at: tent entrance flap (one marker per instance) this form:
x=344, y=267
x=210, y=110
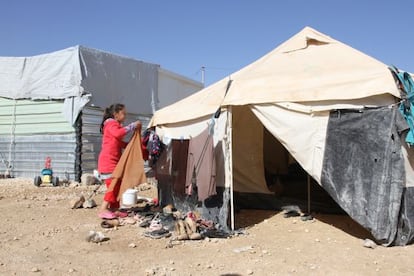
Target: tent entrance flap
x=247, y=138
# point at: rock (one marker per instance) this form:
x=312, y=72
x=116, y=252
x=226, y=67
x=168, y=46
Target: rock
x=149, y=271
x=95, y=237
x=369, y=244
x=172, y=269
x=35, y=269
x=90, y=203
x=242, y=249
x=249, y=272
x=71, y=270
x=132, y=245
x=77, y=202
x=73, y=184
x=88, y=179
x=171, y=262
x=207, y=239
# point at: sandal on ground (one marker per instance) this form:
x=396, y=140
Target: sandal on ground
x=106, y=215
x=127, y=220
x=306, y=217
x=291, y=213
x=121, y=214
x=158, y=234
x=155, y=225
x=109, y=223
x=143, y=221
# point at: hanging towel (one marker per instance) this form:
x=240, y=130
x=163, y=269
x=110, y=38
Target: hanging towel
x=130, y=168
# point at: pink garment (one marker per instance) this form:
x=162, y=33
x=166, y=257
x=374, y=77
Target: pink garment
x=201, y=158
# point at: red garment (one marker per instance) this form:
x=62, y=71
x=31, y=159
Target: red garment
x=112, y=145
x=111, y=196
x=145, y=153
x=111, y=151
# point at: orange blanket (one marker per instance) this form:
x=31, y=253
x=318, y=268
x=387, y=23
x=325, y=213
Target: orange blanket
x=130, y=168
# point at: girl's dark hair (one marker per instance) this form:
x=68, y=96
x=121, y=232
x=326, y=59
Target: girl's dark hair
x=109, y=113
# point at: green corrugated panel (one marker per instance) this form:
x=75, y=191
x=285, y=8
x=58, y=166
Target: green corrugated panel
x=32, y=117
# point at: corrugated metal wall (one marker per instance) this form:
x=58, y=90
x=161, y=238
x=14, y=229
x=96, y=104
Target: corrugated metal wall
x=92, y=139
x=32, y=130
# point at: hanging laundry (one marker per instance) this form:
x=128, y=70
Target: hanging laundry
x=171, y=170
x=151, y=146
x=201, y=166
x=406, y=86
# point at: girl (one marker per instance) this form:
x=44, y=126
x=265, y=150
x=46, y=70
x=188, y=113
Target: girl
x=112, y=144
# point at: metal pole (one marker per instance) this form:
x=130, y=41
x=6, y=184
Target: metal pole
x=203, y=70
x=309, y=197
x=230, y=163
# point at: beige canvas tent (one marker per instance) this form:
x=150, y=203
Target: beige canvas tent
x=331, y=107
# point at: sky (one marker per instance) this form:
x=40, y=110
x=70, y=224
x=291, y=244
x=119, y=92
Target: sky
x=223, y=36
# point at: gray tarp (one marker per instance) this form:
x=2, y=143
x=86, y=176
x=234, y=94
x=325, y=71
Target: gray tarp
x=111, y=79
x=80, y=75
x=363, y=169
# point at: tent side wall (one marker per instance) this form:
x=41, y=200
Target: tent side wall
x=32, y=130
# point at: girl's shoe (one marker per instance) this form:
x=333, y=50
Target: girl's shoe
x=106, y=214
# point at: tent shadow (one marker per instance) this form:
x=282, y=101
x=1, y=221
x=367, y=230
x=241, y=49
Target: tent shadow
x=246, y=218
x=346, y=224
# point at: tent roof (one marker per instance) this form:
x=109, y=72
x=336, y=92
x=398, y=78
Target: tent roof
x=309, y=67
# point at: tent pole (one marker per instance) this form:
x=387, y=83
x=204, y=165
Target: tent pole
x=309, y=197
x=230, y=163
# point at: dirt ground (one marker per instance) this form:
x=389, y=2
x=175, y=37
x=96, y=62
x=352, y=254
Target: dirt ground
x=41, y=235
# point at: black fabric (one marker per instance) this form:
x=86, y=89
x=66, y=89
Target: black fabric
x=405, y=233
x=363, y=169
x=164, y=178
